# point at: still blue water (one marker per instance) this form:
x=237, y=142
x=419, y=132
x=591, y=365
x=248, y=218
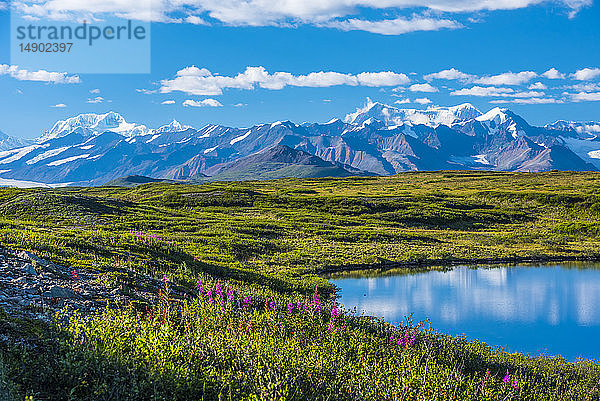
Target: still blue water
x=529, y=309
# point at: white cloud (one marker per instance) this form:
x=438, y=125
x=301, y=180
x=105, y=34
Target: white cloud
x=203, y=103
x=38, y=76
x=97, y=99
x=402, y=101
x=95, y=91
x=341, y=14
x=534, y=100
x=586, y=97
x=553, y=73
x=423, y=88
x=395, y=26
x=585, y=87
x=423, y=100
x=168, y=102
x=195, y=20
x=59, y=105
x=201, y=82
x=3, y=5
x=508, y=78
x=586, y=74
x=384, y=78
x=488, y=91
x=240, y=105
x=482, y=91
x=451, y=74
x=146, y=91
x=537, y=86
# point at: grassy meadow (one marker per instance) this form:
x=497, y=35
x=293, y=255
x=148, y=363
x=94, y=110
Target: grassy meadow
x=260, y=322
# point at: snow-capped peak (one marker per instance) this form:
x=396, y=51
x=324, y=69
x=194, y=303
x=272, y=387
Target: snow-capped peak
x=432, y=116
x=173, y=126
x=94, y=124
x=590, y=129
x=498, y=115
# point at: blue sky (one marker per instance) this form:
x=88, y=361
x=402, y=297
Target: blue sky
x=390, y=55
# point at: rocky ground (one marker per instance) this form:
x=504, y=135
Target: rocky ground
x=36, y=288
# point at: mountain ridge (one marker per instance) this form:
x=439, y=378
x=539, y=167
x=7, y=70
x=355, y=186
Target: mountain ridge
x=92, y=149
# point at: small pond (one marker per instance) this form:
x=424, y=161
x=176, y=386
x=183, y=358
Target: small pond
x=531, y=309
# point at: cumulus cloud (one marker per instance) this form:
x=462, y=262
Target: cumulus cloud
x=451, y=74
x=482, y=91
x=585, y=97
x=423, y=88
x=168, y=102
x=586, y=74
x=59, y=105
x=340, y=14
x=201, y=82
x=402, y=101
x=585, y=87
x=553, y=73
x=97, y=99
x=508, y=78
x=489, y=91
x=203, y=103
x=423, y=100
x=38, y=76
x=534, y=100
x=537, y=86
x=95, y=91
x=195, y=20
x=395, y=26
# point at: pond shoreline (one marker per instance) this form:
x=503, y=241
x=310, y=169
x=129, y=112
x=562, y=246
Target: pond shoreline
x=430, y=263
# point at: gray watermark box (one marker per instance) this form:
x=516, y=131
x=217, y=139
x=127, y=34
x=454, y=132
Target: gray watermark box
x=80, y=40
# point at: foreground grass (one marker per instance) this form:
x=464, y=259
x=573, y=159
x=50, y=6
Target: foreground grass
x=268, y=241
x=219, y=347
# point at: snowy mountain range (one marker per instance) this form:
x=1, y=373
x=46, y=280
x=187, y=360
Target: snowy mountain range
x=92, y=149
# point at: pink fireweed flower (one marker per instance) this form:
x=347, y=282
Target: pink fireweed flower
x=165, y=278
x=315, y=299
x=515, y=384
x=411, y=342
x=210, y=296
x=272, y=305
x=246, y=301
x=200, y=286
x=290, y=308
x=230, y=297
x=487, y=375
x=506, y=377
x=334, y=313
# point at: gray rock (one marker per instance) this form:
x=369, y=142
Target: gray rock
x=30, y=290
x=29, y=269
x=60, y=292
x=31, y=257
